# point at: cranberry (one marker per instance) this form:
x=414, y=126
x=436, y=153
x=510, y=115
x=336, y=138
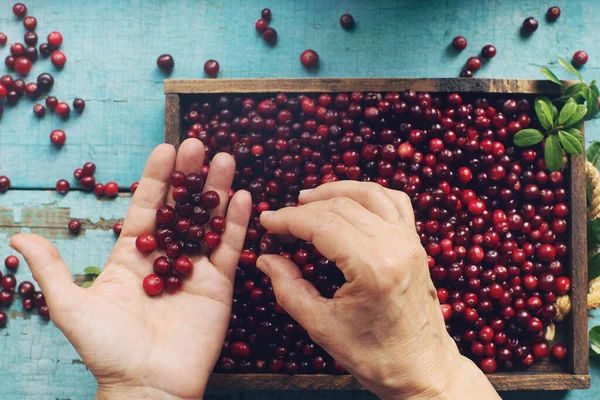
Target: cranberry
x=579, y=58
x=30, y=38
x=240, y=350
x=39, y=110
x=55, y=39
x=99, y=190
x=63, y=186
x=162, y=265
x=165, y=62
x=488, y=51
x=22, y=65
x=78, y=105
x=541, y=350
x=266, y=14
x=153, y=284
x=3, y=39
x=309, y=58
x=553, y=13
x=111, y=189
x=270, y=36
x=63, y=109
x=45, y=49
x=58, y=59
x=3, y=319
x=11, y=262
x=212, y=239
x=211, y=199
x=530, y=25
x=74, y=226
x=51, y=102
x=173, y=283
x=146, y=243
x=559, y=352
x=459, y=43
x=211, y=68
x=562, y=285
x=473, y=64
x=347, y=21
x=217, y=224
x=261, y=25
x=30, y=23
x=488, y=365
x=20, y=10
x=58, y=137
x=117, y=228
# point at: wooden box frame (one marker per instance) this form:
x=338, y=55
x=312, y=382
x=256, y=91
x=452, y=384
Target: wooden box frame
x=543, y=375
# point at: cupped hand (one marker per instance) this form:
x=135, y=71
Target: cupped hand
x=135, y=345
x=384, y=325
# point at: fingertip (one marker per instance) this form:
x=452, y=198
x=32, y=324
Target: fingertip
x=223, y=161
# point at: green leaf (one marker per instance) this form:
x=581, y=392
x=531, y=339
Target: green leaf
x=570, y=143
x=550, y=75
x=567, y=65
x=553, y=154
x=544, y=113
x=567, y=111
x=571, y=90
x=594, y=266
x=575, y=132
x=528, y=137
x=92, y=271
x=591, y=154
x=551, y=106
x=593, y=234
x=577, y=117
x=595, y=339
x=86, y=284
x=592, y=101
x=582, y=96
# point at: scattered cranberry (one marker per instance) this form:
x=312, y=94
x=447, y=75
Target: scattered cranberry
x=44, y=311
x=31, y=38
x=459, y=43
x=212, y=239
x=266, y=14
x=133, y=187
x=211, y=68
x=553, y=13
x=473, y=64
x=39, y=110
x=261, y=25
x=11, y=262
x=78, y=105
x=153, y=285
x=117, y=228
x=146, y=243
x=488, y=51
x=30, y=23
x=22, y=65
x=26, y=289
x=3, y=319
x=270, y=36
x=347, y=21
x=4, y=184
x=20, y=10
x=211, y=199
x=173, y=283
x=111, y=189
x=89, y=169
x=58, y=59
x=51, y=102
x=579, y=58
x=45, y=49
x=183, y=265
x=3, y=39
x=63, y=109
x=309, y=58
x=55, y=39
x=165, y=62
x=559, y=352
x=63, y=186
x=217, y=224
x=530, y=25
x=74, y=226
x=58, y=137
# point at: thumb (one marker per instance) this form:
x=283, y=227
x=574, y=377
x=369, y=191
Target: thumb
x=295, y=294
x=48, y=269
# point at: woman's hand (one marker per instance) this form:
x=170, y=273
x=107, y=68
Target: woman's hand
x=384, y=325
x=135, y=345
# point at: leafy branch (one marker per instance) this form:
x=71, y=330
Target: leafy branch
x=91, y=273
x=561, y=131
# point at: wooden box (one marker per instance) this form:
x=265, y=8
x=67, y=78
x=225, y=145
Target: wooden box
x=544, y=375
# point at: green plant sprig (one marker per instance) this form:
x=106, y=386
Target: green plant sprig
x=92, y=273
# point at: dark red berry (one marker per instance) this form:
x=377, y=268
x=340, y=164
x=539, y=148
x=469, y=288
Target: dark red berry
x=153, y=284
x=266, y=14
x=162, y=265
x=347, y=21
x=117, y=228
x=261, y=25
x=553, y=13
x=211, y=199
x=74, y=226
x=39, y=110
x=173, y=283
x=309, y=58
x=51, y=102
x=55, y=39
x=30, y=38
x=30, y=23
x=3, y=319
x=579, y=58
x=20, y=10
x=165, y=62
x=473, y=64
x=44, y=311
x=78, y=105
x=45, y=82
x=183, y=266
x=58, y=137
x=459, y=43
x=3, y=39
x=488, y=51
x=211, y=68
x=26, y=289
x=11, y=262
x=4, y=184
x=559, y=352
x=217, y=224
x=146, y=243
x=63, y=186
x=270, y=36
x=212, y=239
x=45, y=49
x=530, y=25
x=58, y=59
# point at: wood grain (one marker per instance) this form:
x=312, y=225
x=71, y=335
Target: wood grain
x=191, y=86
x=172, y=120
x=502, y=382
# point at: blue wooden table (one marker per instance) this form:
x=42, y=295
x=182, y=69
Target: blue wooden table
x=112, y=46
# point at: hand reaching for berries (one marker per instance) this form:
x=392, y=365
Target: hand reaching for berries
x=139, y=346
x=384, y=325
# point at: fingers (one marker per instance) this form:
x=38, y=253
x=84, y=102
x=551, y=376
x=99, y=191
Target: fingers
x=220, y=178
x=371, y=196
x=226, y=256
x=404, y=207
x=296, y=295
x=49, y=271
x=190, y=158
x=151, y=192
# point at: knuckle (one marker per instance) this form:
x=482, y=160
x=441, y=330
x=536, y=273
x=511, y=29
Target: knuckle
x=341, y=203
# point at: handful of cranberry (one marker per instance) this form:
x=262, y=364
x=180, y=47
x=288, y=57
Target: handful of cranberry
x=492, y=218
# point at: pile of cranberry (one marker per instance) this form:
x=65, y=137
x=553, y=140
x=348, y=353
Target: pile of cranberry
x=30, y=297
x=490, y=215
x=181, y=230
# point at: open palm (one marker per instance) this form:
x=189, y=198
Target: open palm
x=160, y=346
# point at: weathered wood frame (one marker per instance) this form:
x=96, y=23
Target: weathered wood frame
x=544, y=375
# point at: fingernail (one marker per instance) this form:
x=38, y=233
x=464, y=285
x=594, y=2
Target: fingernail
x=305, y=191
x=262, y=264
x=266, y=213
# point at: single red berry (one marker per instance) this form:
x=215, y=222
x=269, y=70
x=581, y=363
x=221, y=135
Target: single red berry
x=78, y=173
x=165, y=215
x=562, y=285
x=27, y=304
x=153, y=284
x=32, y=90
x=261, y=25
x=162, y=265
x=211, y=199
x=3, y=39
x=459, y=43
x=30, y=23
x=309, y=58
x=63, y=109
x=217, y=224
x=44, y=311
x=51, y=102
x=39, y=110
x=559, y=352
x=530, y=25
x=488, y=365
x=488, y=51
x=22, y=65
x=58, y=59
x=17, y=49
x=211, y=68
x=266, y=14
x=117, y=228
x=55, y=39
x=133, y=187
x=111, y=189
x=58, y=137
x=63, y=186
x=99, y=190
x=240, y=350
x=473, y=64
x=270, y=36
x=183, y=266
x=78, y=105
x=74, y=226
x=165, y=62
x=89, y=168
x=26, y=289
x=20, y=10
x=173, y=283
x=347, y=21
x=553, y=13
x=212, y=239
x=11, y=262
x=146, y=243
x=3, y=319
x=45, y=49
x=541, y=350
x=31, y=39
x=466, y=73
x=4, y=184
x=579, y=58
